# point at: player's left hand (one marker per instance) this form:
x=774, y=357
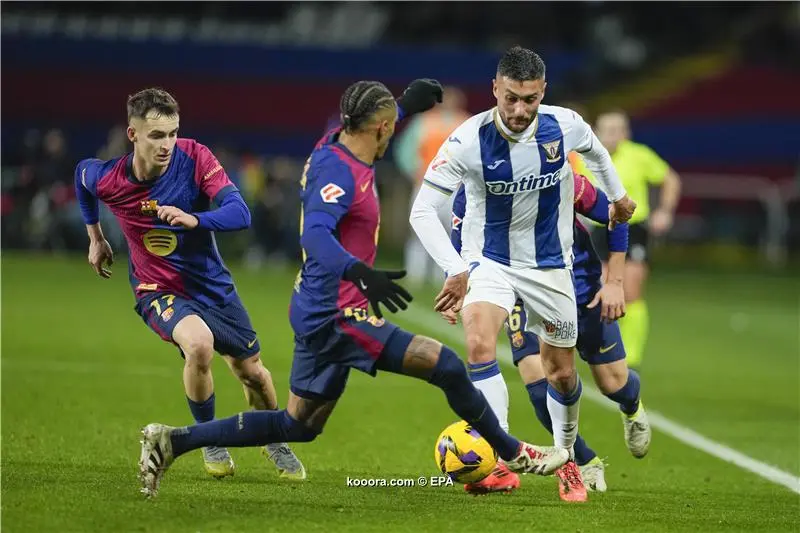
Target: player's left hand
x=419, y=96
x=620, y=211
x=177, y=217
x=660, y=222
x=611, y=296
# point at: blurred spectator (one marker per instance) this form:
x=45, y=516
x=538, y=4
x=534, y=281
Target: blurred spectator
x=53, y=179
x=271, y=190
x=415, y=148
x=117, y=144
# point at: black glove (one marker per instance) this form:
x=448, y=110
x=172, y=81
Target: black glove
x=378, y=287
x=419, y=96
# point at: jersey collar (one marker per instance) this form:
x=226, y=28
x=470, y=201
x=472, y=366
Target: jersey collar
x=143, y=183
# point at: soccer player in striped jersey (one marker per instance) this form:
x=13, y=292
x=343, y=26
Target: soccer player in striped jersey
x=517, y=232
x=161, y=194
x=329, y=310
x=599, y=342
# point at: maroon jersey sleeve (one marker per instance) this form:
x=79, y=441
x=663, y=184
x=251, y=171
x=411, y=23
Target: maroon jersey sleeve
x=209, y=175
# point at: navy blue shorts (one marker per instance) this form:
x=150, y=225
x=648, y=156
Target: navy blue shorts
x=598, y=342
x=351, y=339
x=229, y=323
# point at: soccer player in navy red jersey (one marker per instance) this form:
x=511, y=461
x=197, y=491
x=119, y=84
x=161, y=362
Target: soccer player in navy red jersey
x=329, y=307
x=161, y=194
x=599, y=341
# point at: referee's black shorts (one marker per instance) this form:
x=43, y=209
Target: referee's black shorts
x=638, y=242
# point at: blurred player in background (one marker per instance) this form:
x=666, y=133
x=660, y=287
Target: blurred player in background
x=599, y=343
x=329, y=310
x=415, y=148
x=161, y=196
x=639, y=167
x=517, y=234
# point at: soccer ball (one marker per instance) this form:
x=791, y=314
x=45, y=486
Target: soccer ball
x=463, y=454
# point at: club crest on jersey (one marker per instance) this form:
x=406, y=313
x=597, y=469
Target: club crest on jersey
x=167, y=314
x=552, y=151
x=517, y=340
x=330, y=193
x=456, y=222
x=149, y=208
x=375, y=321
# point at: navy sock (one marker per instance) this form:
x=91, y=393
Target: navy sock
x=251, y=428
x=628, y=396
x=202, y=411
x=469, y=403
x=537, y=391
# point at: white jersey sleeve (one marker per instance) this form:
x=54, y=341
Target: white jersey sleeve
x=585, y=142
x=443, y=177
x=446, y=172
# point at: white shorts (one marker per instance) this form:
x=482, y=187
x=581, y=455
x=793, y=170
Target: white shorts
x=547, y=294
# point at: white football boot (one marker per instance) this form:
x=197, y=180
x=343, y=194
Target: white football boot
x=156, y=457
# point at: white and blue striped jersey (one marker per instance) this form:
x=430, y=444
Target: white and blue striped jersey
x=519, y=187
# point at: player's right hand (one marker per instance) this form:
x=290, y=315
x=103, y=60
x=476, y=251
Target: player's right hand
x=100, y=253
x=452, y=294
x=620, y=211
x=450, y=316
x=378, y=287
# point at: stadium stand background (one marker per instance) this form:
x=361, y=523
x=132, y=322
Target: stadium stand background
x=259, y=81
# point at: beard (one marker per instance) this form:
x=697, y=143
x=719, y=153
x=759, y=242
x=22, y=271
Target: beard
x=517, y=124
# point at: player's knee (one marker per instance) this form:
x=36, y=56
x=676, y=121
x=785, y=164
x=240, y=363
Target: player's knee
x=562, y=376
x=610, y=377
x=252, y=373
x=449, y=369
x=481, y=348
x=297, y=431
x=199, y=351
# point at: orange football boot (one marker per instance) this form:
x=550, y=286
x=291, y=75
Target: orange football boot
x=500, y=480
x=570, y=483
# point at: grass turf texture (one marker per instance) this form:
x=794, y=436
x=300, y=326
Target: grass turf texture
x=81, y=374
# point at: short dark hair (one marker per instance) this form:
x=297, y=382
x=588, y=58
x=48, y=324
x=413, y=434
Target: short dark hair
x=362, y=100
x=521, y=64
x=152, y=99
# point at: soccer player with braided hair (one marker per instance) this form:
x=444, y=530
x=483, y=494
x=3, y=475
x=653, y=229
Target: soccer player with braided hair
x=329, y=310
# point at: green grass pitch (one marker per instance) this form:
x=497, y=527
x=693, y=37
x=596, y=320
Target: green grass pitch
x=81, y=374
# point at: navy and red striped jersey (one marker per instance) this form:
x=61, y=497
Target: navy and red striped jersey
x=162, y=257
x=338, y=192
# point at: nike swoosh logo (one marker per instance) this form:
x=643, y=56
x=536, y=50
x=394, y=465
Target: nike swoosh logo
x=252, y=343
x=496, y=164
x=362, y=284
x=607, y=348
x=364, y=187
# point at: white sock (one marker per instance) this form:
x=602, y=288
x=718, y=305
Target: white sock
x=564, y=415
x=487, y=378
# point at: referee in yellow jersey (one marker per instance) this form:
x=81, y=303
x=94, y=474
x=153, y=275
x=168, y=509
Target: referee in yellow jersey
x=639, y=168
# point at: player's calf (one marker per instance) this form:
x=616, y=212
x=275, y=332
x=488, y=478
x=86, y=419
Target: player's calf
x=482, y=321
x=256, y=380
x=563, y=393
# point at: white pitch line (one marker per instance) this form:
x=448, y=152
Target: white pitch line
x=428, y=319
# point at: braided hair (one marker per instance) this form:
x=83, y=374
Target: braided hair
x=362, y=100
